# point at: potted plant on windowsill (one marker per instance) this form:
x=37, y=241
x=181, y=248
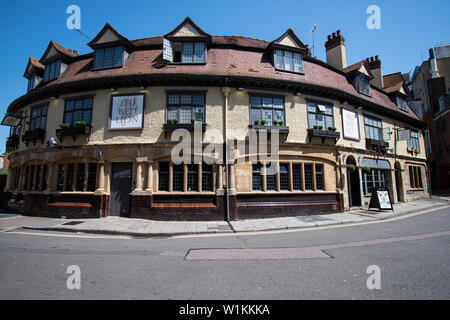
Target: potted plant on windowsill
x=256, y=122
x=351, y=168
x=366, y=169
x=332, y=128
x=263, y=122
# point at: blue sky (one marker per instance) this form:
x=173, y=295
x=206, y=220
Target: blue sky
x=408, y=28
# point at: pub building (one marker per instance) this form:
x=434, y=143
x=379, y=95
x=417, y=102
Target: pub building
x=92, y=137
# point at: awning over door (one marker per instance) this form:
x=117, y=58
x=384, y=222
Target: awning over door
x=376, y=163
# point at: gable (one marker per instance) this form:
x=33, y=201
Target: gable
x=288, y=41
x=187, y=31
x=108, y=36
x=363, y=70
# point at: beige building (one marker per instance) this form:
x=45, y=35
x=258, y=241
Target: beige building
x=94, y=134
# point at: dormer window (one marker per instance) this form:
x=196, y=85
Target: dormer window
x=362, y=85
x=401, y=103
x=108, y=57
x=189, y=52
x=52, y=70
x=31, y=83
x=288, y=61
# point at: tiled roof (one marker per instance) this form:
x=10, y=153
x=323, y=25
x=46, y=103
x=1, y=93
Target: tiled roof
x=64, y=51
x=35, y=63
x=231, y=56
x=394, y=88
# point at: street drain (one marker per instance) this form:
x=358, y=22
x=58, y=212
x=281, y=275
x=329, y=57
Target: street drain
x=72, y=223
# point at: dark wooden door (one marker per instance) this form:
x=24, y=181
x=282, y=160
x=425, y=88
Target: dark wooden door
x=119, y=200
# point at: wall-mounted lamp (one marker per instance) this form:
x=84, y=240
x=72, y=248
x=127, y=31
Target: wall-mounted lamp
x=240, y=89
x=359, y=108
x=298, y=94
x=142, y=87
x=112, y=89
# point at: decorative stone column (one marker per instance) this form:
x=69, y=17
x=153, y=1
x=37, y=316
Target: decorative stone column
x=139, y=175
x=219, y=186
x=51, y=178
x=231, y=188
x=149, y=177
x=101, y=178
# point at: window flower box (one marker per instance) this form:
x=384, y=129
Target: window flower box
x=73, y=132
x=168, y=127
x=413, y=150
x=379, y=146
x=324, y=134
x=33, y=135
x=12, y=143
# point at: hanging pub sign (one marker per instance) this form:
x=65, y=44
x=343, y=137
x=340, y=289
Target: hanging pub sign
x=127, y=112
x=350, y=124
x=381, y=199
x=404, y=135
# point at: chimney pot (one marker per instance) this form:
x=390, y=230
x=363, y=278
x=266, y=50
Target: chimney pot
x=338, y=32
x=329, y=37
x=371, y=58
x=376, y=58
x=334, y=35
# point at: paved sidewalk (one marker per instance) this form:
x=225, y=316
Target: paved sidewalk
x=151, y=228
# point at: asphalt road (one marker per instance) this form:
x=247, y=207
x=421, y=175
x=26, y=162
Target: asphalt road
x=329, y=263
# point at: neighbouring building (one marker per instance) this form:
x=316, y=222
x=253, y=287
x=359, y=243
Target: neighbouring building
x=92, y=137
x=430, y=86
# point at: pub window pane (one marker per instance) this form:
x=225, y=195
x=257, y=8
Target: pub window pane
x=288, y=61
x=185, y=107
x=256, y=177
x=118, y=53
x=319, y=177
x=38, y=118
x=60, y=184
x=188, y=51
x=199, y=52
x=78, y=110
x=279, y=59
x=185, y=115
x=99, y=57
x=70, y=177
x=267, y=115
x=207, y=177
x=163, y=176
x=192, y=183
x=255, y=101
x=178, y=177
x=173, y=99
x=308, y=177
x=298, y=62
x=44, y=180
x=92, y=177
x=284, y=177
x=109, y=57
x=296, y=176
x=30, y=181
x=256, y=114
x=37, y=186
x=322, y=116
x=271, y=181
x=80, y=177
x=373, y=128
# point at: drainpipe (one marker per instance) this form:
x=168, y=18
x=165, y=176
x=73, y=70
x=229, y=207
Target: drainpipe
x=226, y=93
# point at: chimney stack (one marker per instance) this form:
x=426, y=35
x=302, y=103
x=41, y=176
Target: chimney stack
x=433, y=64
x=375, y=67
x=335, y=49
